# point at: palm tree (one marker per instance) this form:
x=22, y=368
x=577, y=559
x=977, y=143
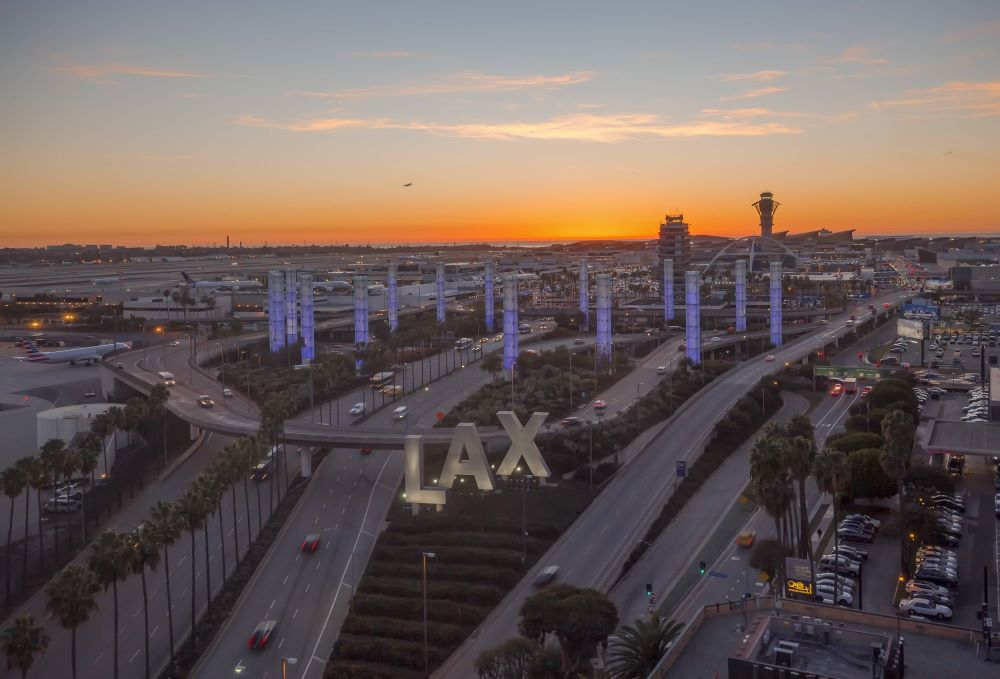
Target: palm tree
x=108, y=563
x=191, y=516
x=102, y=426
x=897, y=449
x=117, y=422
x=166, y=529
x=70, y=464
x=220, y=485
x=12, y=482
x=132, y=415
x=639, y=647
x=71, y=600
x=37, y=477
x=87, y=456
x=230, y=467
x=156, y=408
x=799, y=454
x=770, y=481
x=142, y=551
x=22, y=641
x=832, y=476
x=52, y=453
x=206, y=487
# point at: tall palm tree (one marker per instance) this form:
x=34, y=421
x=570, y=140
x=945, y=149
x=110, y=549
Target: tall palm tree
x=770, y=481
x=191, y=515
x=72, y=597
x=252, y=447
x=108, y=562
x=156, y=408
x=220, y=485
x=166, y=529
x=70, y=465
x=142, y=552
x=132, y=415
x=799, y=455
x=205, y=487
x=37, y=477
x=832, y=476
x=102, y=425
x=52, y=453
x=897, y=450
x=22, y=641
x=87, y=454
x=230, y=467
x=639, y=647
x=12, y=482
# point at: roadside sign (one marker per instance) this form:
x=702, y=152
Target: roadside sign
x=845, y=371
x=718, y=574
x=798, y=574
x=681, y=469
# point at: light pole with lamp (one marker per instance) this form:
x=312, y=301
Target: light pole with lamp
x=284, y=662
x=424, y=557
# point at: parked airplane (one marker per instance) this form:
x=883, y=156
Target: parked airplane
x=332, y=286
x=110, y=280
x=85, y=355
x=228, y=285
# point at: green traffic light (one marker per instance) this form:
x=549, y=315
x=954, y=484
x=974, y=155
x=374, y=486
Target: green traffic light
x=701, y=568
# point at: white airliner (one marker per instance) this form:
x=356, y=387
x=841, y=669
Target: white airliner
x=85, y=355
x=110, y=280
x=229, y=285
x=332, y=286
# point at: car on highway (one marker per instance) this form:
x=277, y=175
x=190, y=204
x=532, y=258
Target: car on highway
x=570, y=422
x=682, y=348
x=367, y=451
x=746, y=539
x=357, y=409
x=400, y=413
x=61, y=505
x=261, y=633
x=579, y=341
x=89, y=394
x=70, y=490
x=926, y=608
x=205, y=401
x=311, y=543
x=836, y=389
x=770, y=358
x=600, y=404
x=175, y=343
x=661, y=370
x=546, y=576
x=227, y=392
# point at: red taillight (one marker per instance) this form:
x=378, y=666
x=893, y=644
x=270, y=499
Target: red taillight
x=252, y=641
x=263, y=640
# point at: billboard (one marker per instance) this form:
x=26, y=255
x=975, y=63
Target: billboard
x=910, y=328
x=921, y=311
x=798, y=576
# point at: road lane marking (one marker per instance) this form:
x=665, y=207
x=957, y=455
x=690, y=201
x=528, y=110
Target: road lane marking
x=272, y=604
x=285, y=580
x=307, y=587
x=281, y=642
x=316, y=520
x=154, y=631
x=317, y=564
x=134, y=655
x=98, y=658
x=295, y=613
x=347, y=565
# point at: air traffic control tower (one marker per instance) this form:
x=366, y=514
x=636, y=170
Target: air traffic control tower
x=766, y=207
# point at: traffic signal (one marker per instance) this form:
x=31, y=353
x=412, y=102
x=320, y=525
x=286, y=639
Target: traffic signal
x=701, y=568
x=649, y=589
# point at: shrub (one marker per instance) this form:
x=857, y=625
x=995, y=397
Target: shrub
x=848, y=442
x=438, y=633
x=867, y=478
x=391, y=652
x=412, y=609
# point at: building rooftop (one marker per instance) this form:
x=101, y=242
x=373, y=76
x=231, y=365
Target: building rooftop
x=963, y=438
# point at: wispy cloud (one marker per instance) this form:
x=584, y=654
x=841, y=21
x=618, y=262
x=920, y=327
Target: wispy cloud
x=577, y=127
x=858, y=54
x=465, y=81
x=753, y=94
x=758, y=112
x=767, y=45
x=102, y=71
x=988, y=30
x=391, y=54
x=758, y=76
x=967, y=99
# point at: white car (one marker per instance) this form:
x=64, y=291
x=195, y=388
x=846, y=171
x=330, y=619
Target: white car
x=770, y=358
x=175, y=343
x=357, y=409
x=926, y=608
x=227, y=392
x=661, y=370
x=400, y=413
x=827, y=598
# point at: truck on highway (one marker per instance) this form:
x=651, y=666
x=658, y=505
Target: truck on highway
x=167, y=378
x=379, y=380
x=851, y=385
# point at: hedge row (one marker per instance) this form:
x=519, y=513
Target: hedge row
x=510, y=540
x=409, y=654
x=354, y=669
x=440, y=522
x=438, y=633
x=438, y=589
x=413, y=609
x=503, y=577
x=467, y=555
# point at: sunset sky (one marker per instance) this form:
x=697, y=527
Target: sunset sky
x=181, y=122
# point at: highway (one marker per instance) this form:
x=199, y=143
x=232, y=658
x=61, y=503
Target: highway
x=590, y=553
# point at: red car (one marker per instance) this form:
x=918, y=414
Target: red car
x=866, y=390
x=837, y=389
x=261, y=633
x=310, y=543
x=366, y=451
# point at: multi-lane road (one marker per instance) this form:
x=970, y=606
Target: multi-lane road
x=590, y=553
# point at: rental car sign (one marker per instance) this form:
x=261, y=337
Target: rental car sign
x=466, y=440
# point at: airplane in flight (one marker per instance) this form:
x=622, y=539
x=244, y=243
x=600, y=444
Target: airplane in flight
x=86, y=355
x=227, y=285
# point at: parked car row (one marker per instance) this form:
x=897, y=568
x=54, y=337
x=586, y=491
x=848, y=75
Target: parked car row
x=836, y=574
x=978, y=407
x=858, y=528
x=930, y=590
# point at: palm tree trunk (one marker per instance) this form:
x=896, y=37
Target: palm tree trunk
x=260, y=525
x=170, y=604
x=222, y=541
x=73, y=649
x=236, y=533
x=10, y=534
x=41, y=538
x=114, y=588
x=246, y=501
x=194, y=637
x=145, y=616
x=776, y=586
x=24, y=555
x=804, y=521
x=208, y=569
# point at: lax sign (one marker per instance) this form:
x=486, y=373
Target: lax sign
x=466, y=440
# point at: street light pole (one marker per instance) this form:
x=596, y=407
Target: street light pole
x=286, y=661
x=424, y=557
